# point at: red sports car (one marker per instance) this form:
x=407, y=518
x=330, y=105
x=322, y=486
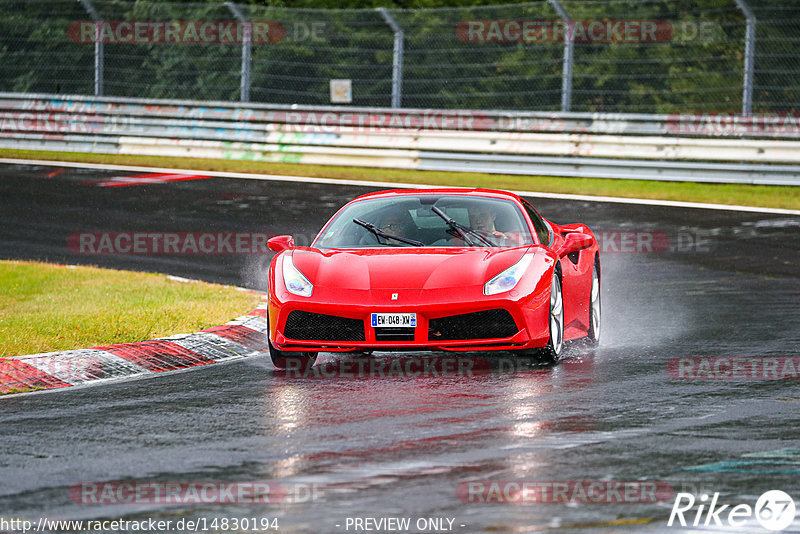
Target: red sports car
x=434, y=269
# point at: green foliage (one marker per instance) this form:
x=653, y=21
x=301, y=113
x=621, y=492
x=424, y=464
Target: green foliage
x=698, y=66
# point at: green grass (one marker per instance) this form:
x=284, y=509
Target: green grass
x=46, y=307
x=769, y=196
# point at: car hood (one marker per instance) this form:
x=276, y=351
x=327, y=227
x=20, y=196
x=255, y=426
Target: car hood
x=404, y=268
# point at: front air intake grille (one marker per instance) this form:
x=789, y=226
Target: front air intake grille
x=488, y=324
x=394, y=334
x=315, y=326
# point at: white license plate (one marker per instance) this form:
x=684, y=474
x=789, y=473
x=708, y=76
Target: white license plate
x=394, y=320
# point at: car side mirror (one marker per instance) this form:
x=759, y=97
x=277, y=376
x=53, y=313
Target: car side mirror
x=280, y=243
x=573, y=242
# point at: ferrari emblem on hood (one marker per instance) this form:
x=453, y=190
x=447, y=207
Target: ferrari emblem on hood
x=394, y=296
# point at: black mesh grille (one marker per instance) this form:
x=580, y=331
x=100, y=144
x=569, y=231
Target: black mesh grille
x=306, y=325
x=394, y=334
x=479, y=325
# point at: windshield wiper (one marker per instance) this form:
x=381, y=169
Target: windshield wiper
x=464, y=231
x=380, y=233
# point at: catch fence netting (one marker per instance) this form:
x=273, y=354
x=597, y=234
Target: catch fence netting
x=647, y=56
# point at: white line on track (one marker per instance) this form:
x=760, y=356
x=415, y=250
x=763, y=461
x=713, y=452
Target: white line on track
x=397, y=185
x=195, y=281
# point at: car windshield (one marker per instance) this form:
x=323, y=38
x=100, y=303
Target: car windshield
x=427, y=220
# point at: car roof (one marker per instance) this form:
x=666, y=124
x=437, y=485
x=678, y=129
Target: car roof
x=475, y=192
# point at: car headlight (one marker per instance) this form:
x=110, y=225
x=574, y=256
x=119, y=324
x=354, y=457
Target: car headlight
x=509, y=278
x=294, y=280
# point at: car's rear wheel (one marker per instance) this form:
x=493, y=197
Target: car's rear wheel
x=284, y=359
x=594, y=305
x=552, y=351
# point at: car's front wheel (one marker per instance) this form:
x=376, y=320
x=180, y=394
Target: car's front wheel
x=284, y=359
x=552, y=351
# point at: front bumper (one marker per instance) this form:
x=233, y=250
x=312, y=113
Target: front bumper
x=528, y=316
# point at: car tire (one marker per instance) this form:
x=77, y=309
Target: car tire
x=552, y=351
x=282, y=359
x=594, y=305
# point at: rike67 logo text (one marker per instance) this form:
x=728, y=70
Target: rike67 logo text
x=774, y=510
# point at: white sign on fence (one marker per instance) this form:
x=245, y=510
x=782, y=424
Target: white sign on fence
x=341, y=92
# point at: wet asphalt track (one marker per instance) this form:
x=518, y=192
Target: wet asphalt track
x=399, y=447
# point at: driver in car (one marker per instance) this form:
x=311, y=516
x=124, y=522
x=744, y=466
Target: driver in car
x=397, y=223
x=482, y=218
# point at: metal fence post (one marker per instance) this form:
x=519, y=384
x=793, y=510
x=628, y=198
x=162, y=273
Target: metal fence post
x=98, y=48
x=247, y=46
x=397, y=61
x=566, y=77
x=749, y=57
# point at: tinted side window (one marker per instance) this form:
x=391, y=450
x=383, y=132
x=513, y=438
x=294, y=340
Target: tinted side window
x=538, y=224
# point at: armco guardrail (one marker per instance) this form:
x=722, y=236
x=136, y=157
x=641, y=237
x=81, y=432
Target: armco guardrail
x=663, y=147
